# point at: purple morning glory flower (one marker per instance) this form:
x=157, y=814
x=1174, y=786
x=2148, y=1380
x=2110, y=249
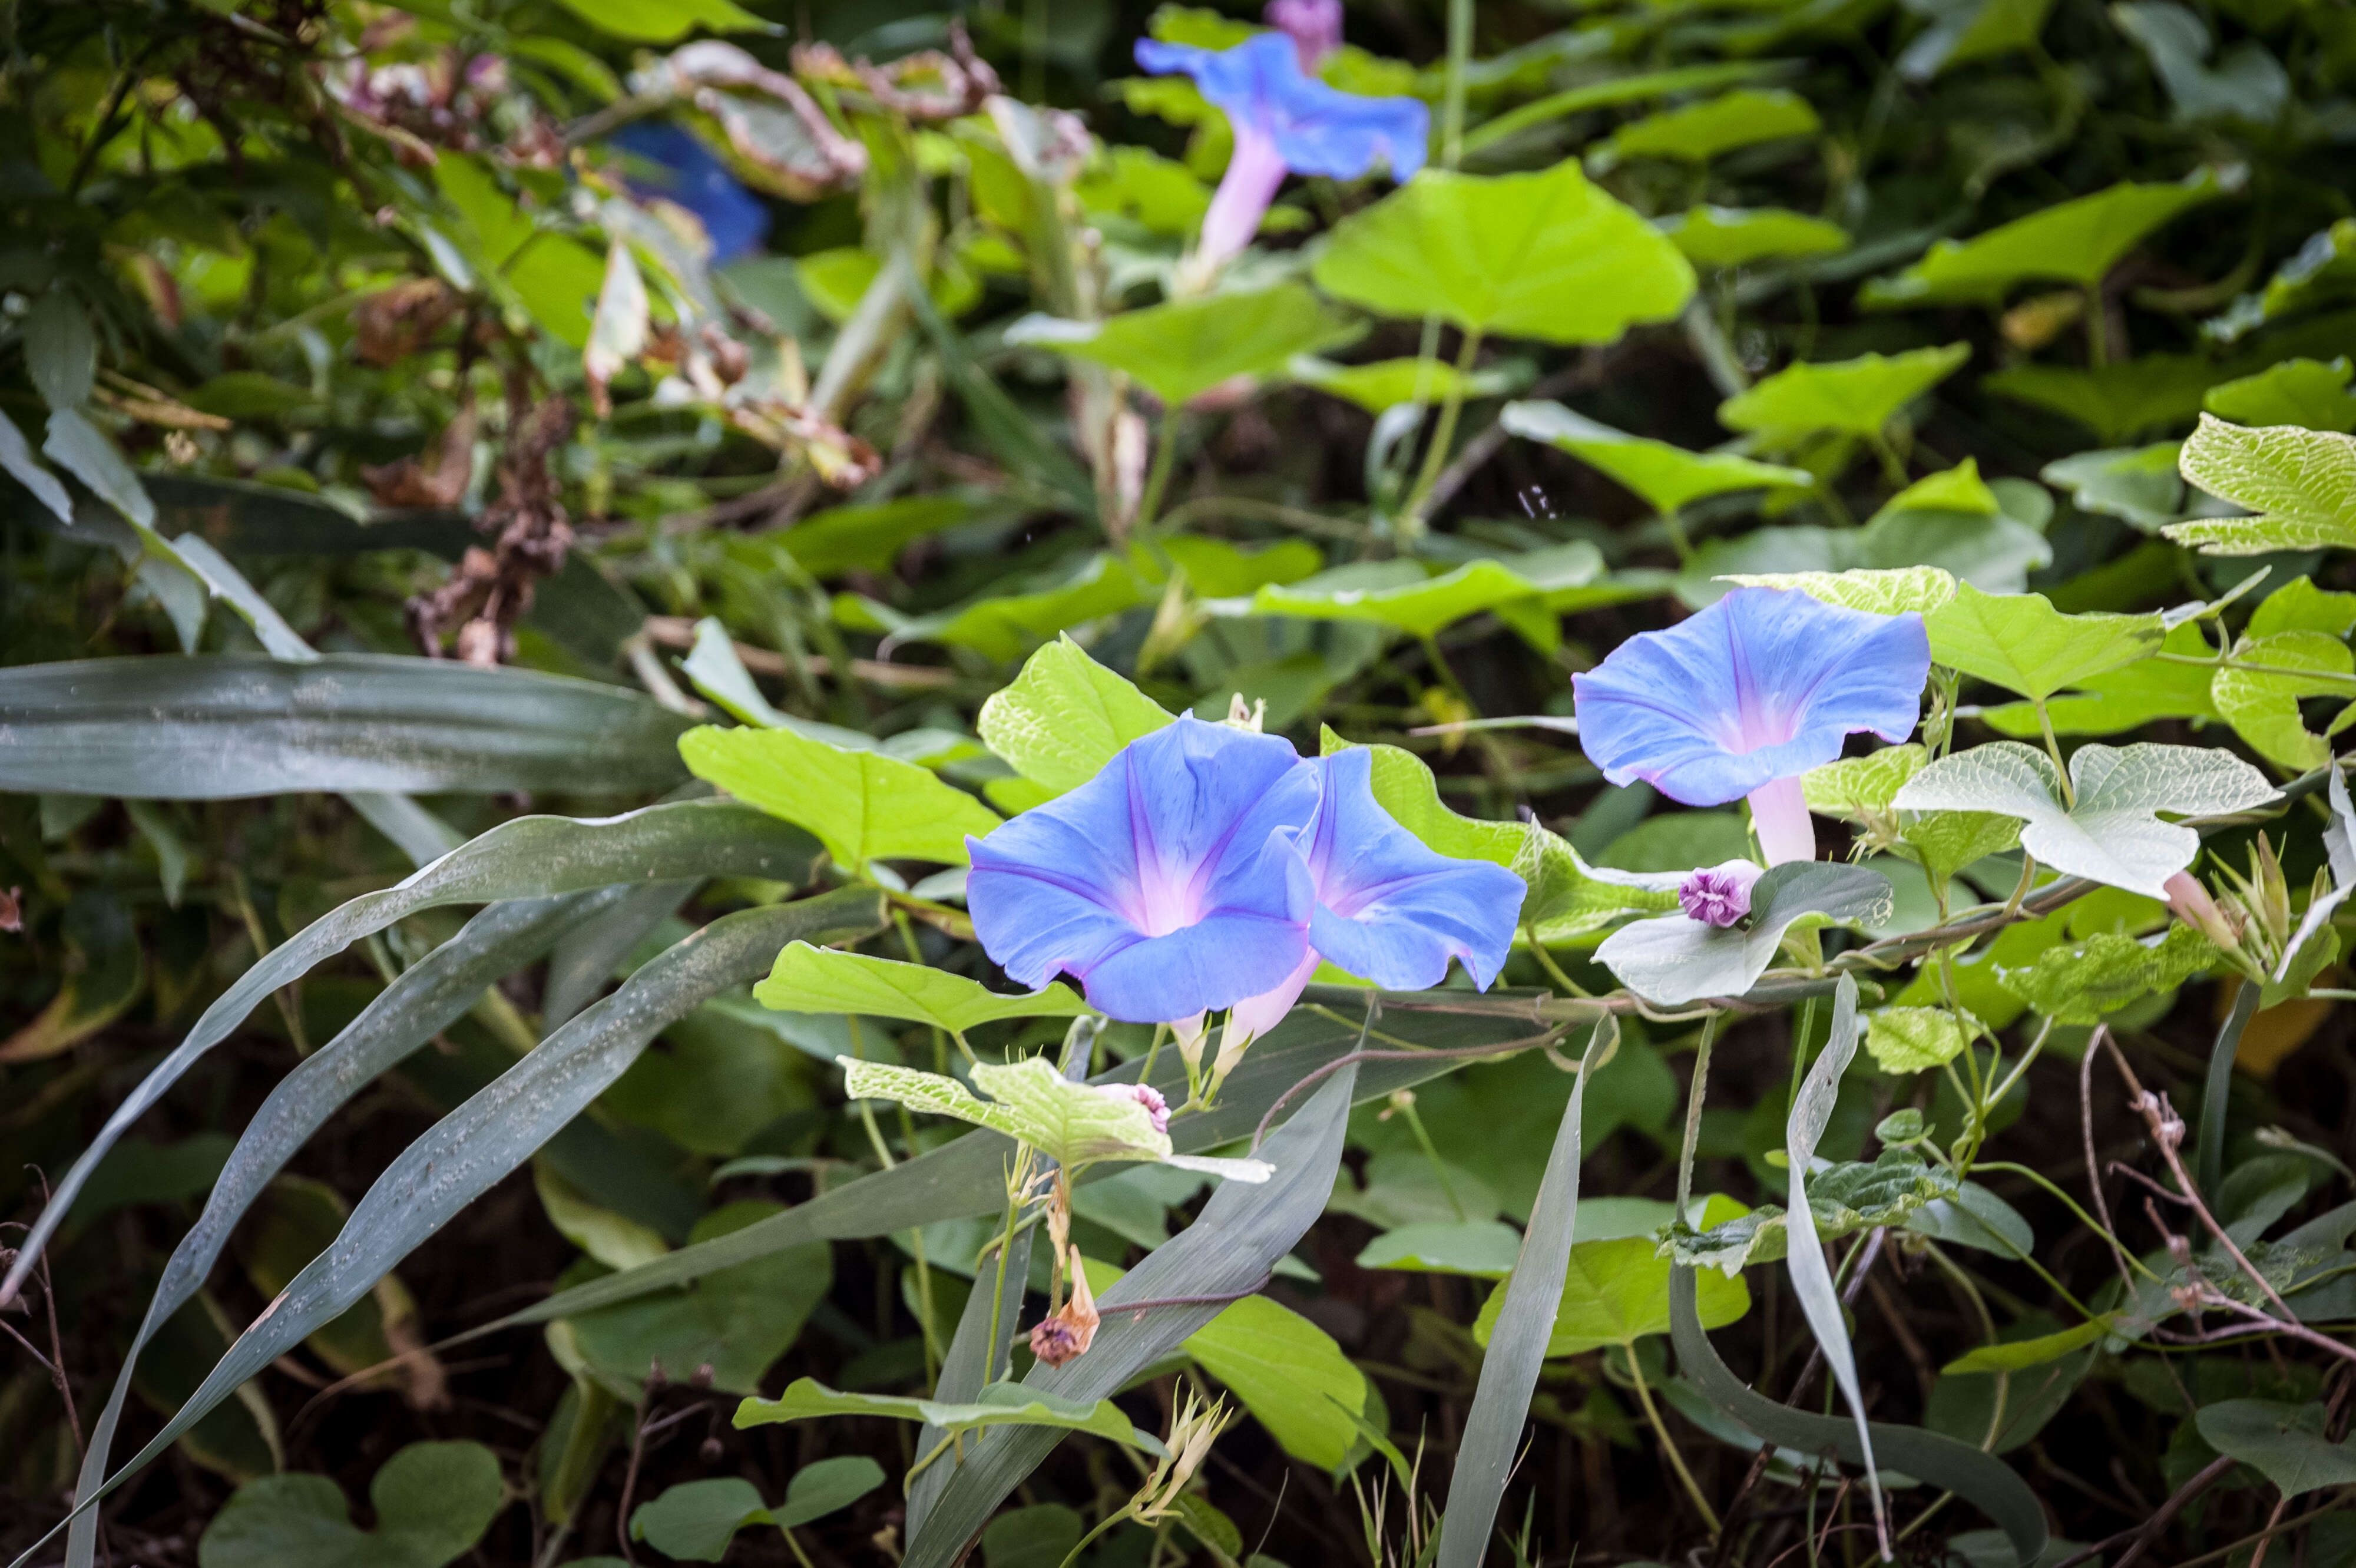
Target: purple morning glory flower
x=1313, y=26
x=1744, y=697
x=1284, y=120
x=1719, y=894
x=686, y=172
x=1209, y=867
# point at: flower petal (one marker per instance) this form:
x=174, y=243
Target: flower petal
x=1319, y=129
x=1390, y=908
x=1764, y=684
x=1165, y=883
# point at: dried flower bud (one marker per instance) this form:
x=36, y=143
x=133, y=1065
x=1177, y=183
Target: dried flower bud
x=1068, y=1333
x=1719, y=894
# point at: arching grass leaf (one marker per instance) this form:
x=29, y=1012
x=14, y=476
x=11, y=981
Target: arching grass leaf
x=1980, y=1479
x=230, y=726
x=1520, y=1335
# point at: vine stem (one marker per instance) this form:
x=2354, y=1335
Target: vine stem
x=1668, y=1444
x=1443, y=434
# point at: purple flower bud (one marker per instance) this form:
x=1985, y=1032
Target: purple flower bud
x=1313, y=26
x=1719, y=894
x=1145, y=1094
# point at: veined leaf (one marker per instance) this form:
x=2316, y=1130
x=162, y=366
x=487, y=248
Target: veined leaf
x=2113, y=836
x=2021, y=642
x=1913, y=1039
x=820, y=980
x=1843, y=1198
x=2300, y=484
x=1403, y=787
x=2285, y=1442
x=1543, y=255
x=860, y=805
x=1886, y=591
x=1065, y=717
x=2106, y=971
x=2263, y=708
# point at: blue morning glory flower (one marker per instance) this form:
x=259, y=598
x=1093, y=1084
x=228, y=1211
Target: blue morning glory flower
x=1390, y=908
x=1209, y=867
x=1744, y=697
x=687, y=172
x=1284, y=120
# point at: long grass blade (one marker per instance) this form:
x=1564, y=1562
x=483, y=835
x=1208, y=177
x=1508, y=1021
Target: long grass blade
x=430, y=995
x=531, y=857
x=1518, y=1346
x=474, y=1148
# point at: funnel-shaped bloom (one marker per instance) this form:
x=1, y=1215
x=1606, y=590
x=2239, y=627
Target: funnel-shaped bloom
x=1389, y=908
x=1744, y=697
x=1209, y=867
x=1284, y=120
x=683, y=170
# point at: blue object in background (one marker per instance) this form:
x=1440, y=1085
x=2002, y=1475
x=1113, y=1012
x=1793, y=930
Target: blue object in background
x=737, y=220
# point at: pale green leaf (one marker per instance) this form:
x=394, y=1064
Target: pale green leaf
x=1185, y=347
x=1617, y=1291
x=1729, y=237
x=1959, y=489
x=2300, y=484
x=2113, y=834
x=1545, y=255
x=1697, y=133
x=2021, y=642
x=2127, y=698
x=1000, y=1404
x=2071, y=242
x=1403, y=787
x=2119, y=401
x=1065, y=717
x=1888, y=591
x=2308, y=392
x=1483, y=1250
x=1071, y=1123
x=2079, y=983
x=1855, y=397
x=860, y=805
x=2020, y=1355
x=1665, y=475
x=1910, y=1039
x=664, y=21
x=1397, y=594
x=822, y=980
x=1289, y=1374
x=1386, y=383
x=2136, y=485
x=1856, y=787
x=2263, y=708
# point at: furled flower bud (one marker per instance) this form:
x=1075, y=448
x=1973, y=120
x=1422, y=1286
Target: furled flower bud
x=1145, y=1094
x=2192, y=905
x=1313, y=26
x=1719, y=894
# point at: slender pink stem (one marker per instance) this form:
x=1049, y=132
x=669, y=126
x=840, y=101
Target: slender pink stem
x=1242, y=199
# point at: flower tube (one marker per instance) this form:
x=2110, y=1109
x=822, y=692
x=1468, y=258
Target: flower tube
x=1742, y=699
x=1283, y=121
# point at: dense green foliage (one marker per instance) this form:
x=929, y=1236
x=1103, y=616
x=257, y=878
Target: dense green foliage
x=493, y=700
